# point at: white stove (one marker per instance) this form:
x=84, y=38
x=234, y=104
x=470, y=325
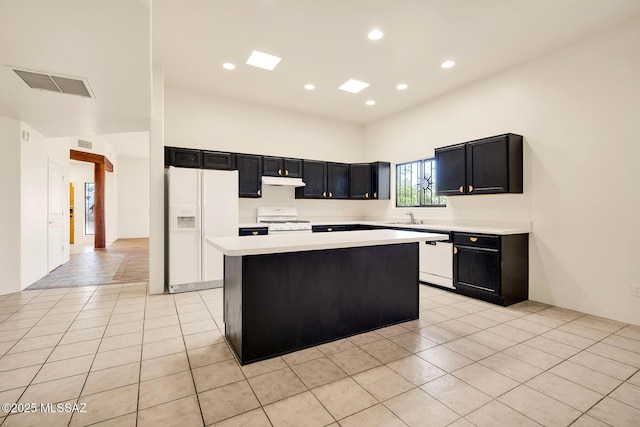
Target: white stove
x=282, y=220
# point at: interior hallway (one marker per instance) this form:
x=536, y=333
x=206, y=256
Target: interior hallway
x=124, y=261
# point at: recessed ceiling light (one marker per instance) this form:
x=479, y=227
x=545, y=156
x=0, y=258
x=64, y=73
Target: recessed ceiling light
x=263, y=60
x=309, y=87
x=448, y=63
x=228, y=66
x=353, y=86
x=370, y=102
x=375, y=34
x=402, y=86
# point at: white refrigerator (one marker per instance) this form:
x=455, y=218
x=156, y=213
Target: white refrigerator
x=201, y=203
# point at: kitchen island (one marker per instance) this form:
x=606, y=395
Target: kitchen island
x=288, y=292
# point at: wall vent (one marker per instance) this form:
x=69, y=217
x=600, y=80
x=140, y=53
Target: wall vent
x=85, y=144
x=44, y=81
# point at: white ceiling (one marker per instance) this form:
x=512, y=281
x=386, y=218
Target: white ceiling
x=103, y=41
x=324, y=42
x=320, y=41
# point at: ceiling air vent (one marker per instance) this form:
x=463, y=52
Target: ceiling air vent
x=85, y=144
x=54, y=83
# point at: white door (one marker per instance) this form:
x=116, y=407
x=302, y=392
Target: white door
x=184, y=225
x=55, y=216
x=219, y=217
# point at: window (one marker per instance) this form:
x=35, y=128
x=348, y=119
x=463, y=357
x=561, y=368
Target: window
x=89, y=206
x=415, y=184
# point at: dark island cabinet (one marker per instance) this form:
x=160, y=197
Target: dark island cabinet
x=218, y=160
x=249, y=175
x=278, y=166
x=491, y=268
x=381, y=180
x=314, y=175
x=337, y=181
x=360, y=181
x=182, y=157
x=484, y=166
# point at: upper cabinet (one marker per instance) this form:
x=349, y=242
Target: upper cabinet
x=218, y=160
x=337, y=181
x=182, y=157
x=486, y=166
x=249, y=175
x=381, y=180
x=324, y=180
x=360, y=181
x=278, y=166
x=314, y=175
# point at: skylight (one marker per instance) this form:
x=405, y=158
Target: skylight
x=353, y=86
x=263, y=60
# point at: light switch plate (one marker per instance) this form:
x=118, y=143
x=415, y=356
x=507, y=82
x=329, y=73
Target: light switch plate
x=635, y=290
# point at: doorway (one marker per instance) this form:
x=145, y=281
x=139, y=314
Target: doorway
x=72, y=229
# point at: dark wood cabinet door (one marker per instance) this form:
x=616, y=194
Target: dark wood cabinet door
x=360, y=181
x=477, y=268
x=451, y=170
x=183, y=157
x=249, y=175
x=293, y=168
x=487, y=166
x=272, y=166
x=314, y=175
x=381, y=180
x=494, y=165
x=338, y=180
x=218, y=160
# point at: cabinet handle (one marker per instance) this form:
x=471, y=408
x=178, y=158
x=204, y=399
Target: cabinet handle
x=258, y=192
x=470, y=188
x=255, y=233
x=286, y=172
x=329, y=229
x=330, y=194
x=375, y=195
x=324, y=194
x=279, y=171
x=455, y=250
x=461, y=189
x=366, y=195
x=473, y=239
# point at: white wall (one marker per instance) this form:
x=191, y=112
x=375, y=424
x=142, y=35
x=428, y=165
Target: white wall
x=36, y=151
x=197, y=120
x=9, y=216
x=579, y=112
x=133, y=197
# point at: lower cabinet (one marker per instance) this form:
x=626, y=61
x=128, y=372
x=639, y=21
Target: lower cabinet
x=253, y=231
x=492, y=268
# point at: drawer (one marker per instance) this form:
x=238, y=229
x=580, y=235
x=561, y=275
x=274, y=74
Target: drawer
x=476, y=240
x=253, y=231
x=329, y=228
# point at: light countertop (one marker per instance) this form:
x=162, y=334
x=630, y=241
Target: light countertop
x=497, y=228
x=297, y=242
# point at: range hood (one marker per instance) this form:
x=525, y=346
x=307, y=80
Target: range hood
x=277, y=180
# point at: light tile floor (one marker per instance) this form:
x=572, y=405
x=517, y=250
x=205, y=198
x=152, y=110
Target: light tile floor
x=140, y=360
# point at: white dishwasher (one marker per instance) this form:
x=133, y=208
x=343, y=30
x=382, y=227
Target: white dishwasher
x=436, y=262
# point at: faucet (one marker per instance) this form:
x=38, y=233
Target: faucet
x=413, y=219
